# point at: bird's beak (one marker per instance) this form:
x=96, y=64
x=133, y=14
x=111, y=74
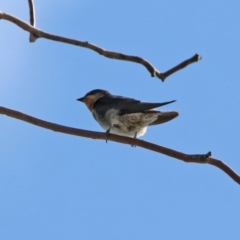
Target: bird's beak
x=80, y=99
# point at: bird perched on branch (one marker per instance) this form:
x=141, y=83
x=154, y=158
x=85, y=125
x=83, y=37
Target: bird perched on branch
x=124, y=116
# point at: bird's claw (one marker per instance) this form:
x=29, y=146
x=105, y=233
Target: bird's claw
x=107, y=132
x=135, y=136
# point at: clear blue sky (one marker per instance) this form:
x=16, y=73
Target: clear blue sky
x=56, y=186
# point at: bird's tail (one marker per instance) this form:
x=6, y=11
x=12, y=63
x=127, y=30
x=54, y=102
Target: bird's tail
x=164, y=117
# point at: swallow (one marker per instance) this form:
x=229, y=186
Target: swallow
x=124, y=116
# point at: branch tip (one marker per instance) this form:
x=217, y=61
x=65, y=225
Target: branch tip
x=199, y=57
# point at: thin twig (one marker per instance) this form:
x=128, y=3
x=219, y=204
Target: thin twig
x=109, y=54
x=196, y=158
x=32, y=38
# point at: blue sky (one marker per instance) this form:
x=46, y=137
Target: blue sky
x=56, y=186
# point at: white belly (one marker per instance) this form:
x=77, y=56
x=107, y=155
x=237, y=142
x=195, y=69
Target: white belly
x=126, y=125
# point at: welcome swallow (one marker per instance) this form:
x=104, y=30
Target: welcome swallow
x=124, y=116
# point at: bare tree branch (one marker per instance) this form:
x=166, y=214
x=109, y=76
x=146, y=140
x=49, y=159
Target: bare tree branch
x=32, y=38
x=109, y=54
x=190, y=158
x=37, y=33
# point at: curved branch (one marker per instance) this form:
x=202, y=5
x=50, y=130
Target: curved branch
x=32, y=38
x=109, y=54
x=190, y=158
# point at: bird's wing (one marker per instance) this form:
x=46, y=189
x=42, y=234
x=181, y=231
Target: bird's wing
x=133, y=107
x=124, y=105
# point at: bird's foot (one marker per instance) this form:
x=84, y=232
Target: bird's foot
x=107, y=132
x=135, y=136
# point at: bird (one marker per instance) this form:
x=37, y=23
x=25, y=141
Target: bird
x=124, y=116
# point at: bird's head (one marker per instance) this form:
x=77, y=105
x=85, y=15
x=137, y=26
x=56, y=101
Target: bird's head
x=91, y=97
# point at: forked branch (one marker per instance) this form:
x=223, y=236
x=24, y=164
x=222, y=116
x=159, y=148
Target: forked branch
x=37, y=33
x=32, y=38
x=190, y=158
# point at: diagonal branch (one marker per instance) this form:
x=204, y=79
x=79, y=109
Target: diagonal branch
x=196, y=158
x=32, y=38
x=109, y=54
